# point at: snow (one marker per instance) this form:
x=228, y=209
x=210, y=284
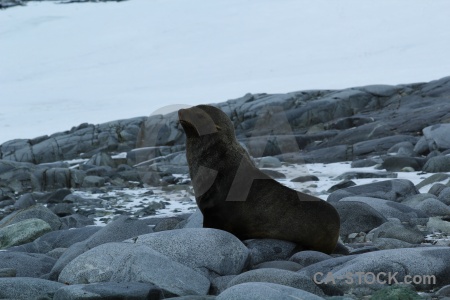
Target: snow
x=65, y=64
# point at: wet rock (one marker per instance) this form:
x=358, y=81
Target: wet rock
x=37, y=211
x=305, y=178
x=341, y=185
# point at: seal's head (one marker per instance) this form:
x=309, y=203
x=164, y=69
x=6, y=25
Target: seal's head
x=202, y=120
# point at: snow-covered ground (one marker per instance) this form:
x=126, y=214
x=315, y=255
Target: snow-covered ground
x=62, y=65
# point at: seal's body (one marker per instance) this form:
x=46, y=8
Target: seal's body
x=234, y=195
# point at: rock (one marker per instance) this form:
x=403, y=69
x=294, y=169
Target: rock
x=126, y=262
x=101, y=159
x=57, y=239
x=305, y=178
x=28, y=288
x=397, y=163
x=444, y=292
x=444, y=196
x=93, y=181
x=432, y=179
x=433, y=207
x=55, y=197
x=341, y=185
x=201, y=249
x=390, y=209
x=109, y=290
x=269, y=162
x=37, y=211
x=389, y=243
x=428, y=263
x=274, y=174
x=25, y=201
x=357, y=217
x=363, y=175
x=364, y=163
x=394, y=190
x=220, y=284
x=279, y=264
x=194, y=221
x=264, y=290
x=116, y=231
x=398, y=231
x=309, y=257
x=26, y=264
x=402, y=148
x=396, y=292
x=283, y=277
x=437, y=164
x=421, y=146
x=437, y=224
x=22, y=232
x=75, y=221
x=437, y=137
x=262, y=250
x=167, y=224
x=7, y=272
x=413, y=201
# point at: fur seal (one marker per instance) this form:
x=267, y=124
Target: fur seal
x=235, y=196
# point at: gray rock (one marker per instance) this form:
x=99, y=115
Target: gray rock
x=437, y=224
x=37, y=211
x=397, y=163
x=432, y=179
x=167, y=224
x=269, y=162
x=390, y=209
x=363, y=175
x=202, y=249
x=279, y=264
x=93, y=181
x=444, y=291
x=116, y=231
x=398, y=231
x=437, y=137
x=274, y=174
x=341, y=185
x=22, y=232
x=8, y=272
x=25, y=201
x=75, y=221
x=402, y=148
x=126, y=262
x=363, y=163
x=264, y=290
x=194, y=221
x=220, y=284
x=305, y=178
x=433, y=207
x=262, y=250
x=394, y=190
x=109, y=290
x=56, y=253
x=437, y=164
x=357, y=217
x=57, y=239
x=420, y=261
x=306, y=258
x=414, y=200
x=277, y=276
x=444, y=196
x=101, y=159
x=28, y=288
x=389, y=243
x=26, y=264
x=421, y=146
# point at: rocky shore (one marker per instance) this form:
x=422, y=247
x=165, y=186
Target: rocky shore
x=71, y=226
